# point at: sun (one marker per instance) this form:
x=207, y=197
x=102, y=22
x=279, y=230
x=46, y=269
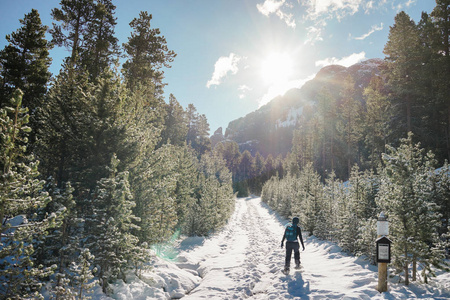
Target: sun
x=276, y=68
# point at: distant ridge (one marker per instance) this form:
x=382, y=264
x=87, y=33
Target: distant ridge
x=269, y=129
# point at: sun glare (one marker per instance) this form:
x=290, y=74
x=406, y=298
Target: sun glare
x=276, y=68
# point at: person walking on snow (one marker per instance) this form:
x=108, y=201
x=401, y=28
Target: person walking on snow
x=291, y=234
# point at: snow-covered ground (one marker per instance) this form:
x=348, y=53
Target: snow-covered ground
x=244, y=260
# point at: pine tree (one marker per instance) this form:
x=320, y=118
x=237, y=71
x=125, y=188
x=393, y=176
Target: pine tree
x=260, y=169
x=377, y=120
x=176, y=126
x=61, y=290
x=100, y=48
x=198, y=131
x=358, y=207
x=349, y=123
x=82, y=278
x=270, y=167
x=406, y=196
x=110, y=226
x=154, y=191
x=230, y=153
x=332, y=193
x=61, y=242
x=83, y=125
x=25, y=62
x=440, y=16
x=75, y=17
x=310, y=191
x=441, y=196
x=429, y=108
x=215, y=199
x=147, y=53
x=20, y=196
x=327, y=109
x=186, y=184
x=403, y=64
x=245, y=172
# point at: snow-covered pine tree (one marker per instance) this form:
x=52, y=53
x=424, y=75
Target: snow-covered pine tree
x=367, y=234
x=21, y=194
x=347, y=223
x=154, y=192
x=311, y=191
x=61, y=242
x=110, y=226
x=186, y=183
x=406, y=196
x=258, y=179
x=286, y=198
x=268, y=194
x=204, y=215
x=332, y=192
x=215, y=198
x=360, y=206
x=176, y=124
x=81, y=275
x=61, y=289
x=441, y=188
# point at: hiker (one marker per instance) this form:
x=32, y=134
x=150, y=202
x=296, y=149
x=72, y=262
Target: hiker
x=291, y=233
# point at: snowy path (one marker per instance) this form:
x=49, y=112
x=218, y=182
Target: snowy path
x=244, y=258
x=245, y=261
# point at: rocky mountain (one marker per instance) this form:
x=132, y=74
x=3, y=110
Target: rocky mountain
x=269, y=130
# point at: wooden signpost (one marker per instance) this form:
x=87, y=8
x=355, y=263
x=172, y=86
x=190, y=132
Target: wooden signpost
x=383, y=252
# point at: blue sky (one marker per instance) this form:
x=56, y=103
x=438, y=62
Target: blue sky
x=235, y=55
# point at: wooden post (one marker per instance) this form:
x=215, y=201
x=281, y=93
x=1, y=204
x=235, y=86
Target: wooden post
x=382, y=277
x=383, y=252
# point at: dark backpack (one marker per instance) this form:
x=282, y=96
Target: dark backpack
x=291, y=232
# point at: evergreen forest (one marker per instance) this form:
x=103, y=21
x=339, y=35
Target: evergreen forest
x=97, y=167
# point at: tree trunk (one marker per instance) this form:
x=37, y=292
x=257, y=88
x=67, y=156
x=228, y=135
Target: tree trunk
x=447, y=135
x=408, y=114
x=406, y=266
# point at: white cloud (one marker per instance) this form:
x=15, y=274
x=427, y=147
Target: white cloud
x=243, y=89
x=372, y=30
x=331, y=8
x=345, y=61
x=270, y=6
x=314, y=33
x=222, y=67
x=276, y=7
x=319, y=11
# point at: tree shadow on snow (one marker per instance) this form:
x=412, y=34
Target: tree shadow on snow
x=297, y=287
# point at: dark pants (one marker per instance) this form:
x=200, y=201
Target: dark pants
x=289, y=247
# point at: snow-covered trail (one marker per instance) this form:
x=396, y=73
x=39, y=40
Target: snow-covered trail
x=244, y=257
x=245, y=261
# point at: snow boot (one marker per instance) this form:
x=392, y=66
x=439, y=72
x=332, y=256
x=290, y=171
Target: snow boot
x=297, y=264
x=286, y=270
